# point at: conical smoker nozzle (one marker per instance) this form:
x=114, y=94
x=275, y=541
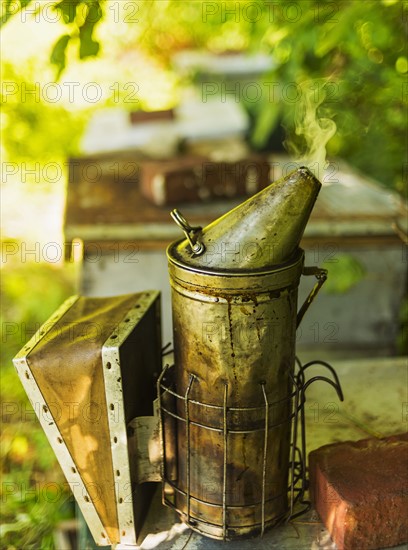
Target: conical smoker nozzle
x=263, y=231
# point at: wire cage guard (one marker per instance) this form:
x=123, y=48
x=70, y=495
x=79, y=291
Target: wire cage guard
x=225, y=516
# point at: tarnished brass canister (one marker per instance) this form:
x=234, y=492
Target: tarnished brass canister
x=234, y=343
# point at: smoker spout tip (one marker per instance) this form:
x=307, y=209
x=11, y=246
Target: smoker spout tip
x=306, y=172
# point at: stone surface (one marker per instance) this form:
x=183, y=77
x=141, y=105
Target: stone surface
x=360, y=490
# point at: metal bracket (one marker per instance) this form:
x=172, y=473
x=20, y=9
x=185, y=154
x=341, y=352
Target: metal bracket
x=192, y=233
x=298, y=468
x=321, y=276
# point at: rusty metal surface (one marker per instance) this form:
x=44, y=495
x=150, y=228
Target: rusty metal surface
x=241, y=334
x=263, y=231
x=234, y=324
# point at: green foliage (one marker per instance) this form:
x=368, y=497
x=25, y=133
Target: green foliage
x=68, y=9
x=344, y=273
x=58, y=54
x=34, y=496
x=32, y=529
x=81, y=28
x=8, y=9
x=356, y=51
x=356, y=47
x=88, y=46
x=24, y=309
x=34, y=129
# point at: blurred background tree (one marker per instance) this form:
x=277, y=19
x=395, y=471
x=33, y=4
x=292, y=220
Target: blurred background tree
x=358, y=47
x=357, y=50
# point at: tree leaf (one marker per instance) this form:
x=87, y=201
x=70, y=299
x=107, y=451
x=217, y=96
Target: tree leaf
x=345, y=272
x=58, y=54
x=88, y=46
x=67, y=9
x=265, y=124
x=8, y=12
x=334, y=34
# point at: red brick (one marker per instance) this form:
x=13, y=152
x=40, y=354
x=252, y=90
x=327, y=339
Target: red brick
x=360, y=491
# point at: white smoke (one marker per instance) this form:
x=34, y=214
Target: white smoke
x=312, y=126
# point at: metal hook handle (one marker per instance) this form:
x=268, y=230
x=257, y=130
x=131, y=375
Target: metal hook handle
x=321, y=276
x=336, y=384
x=191, y=233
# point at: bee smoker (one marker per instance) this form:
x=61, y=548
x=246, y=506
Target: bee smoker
x=222, y=434
x=234, y=305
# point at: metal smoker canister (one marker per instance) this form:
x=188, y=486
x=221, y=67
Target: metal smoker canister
x=234, y=305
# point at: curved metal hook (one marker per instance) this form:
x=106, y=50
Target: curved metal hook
x=324, y=379
x=190, y=232
x=298, y=380
x=336, y=384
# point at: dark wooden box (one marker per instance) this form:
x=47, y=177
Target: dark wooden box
x=195, y=178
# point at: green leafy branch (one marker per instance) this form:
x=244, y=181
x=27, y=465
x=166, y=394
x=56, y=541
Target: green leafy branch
x=9, y=9
x=81, y=16
x=88, y=46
